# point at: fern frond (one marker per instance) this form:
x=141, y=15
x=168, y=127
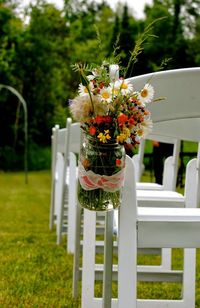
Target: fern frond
x=78, y=67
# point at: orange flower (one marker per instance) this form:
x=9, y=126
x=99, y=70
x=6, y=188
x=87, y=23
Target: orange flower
x=92, y=130
x=122, y=118
x=85, y=163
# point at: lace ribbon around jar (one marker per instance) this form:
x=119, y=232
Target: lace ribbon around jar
x=90, y=180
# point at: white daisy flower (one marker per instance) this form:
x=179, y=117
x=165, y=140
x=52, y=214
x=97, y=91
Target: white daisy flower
x=82, y=90
x=106, y=94
x=146, y=94
x=123, y=86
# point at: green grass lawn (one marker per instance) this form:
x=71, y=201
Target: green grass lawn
x=34, y=271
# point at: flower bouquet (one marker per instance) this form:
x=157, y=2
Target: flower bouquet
x=112, y=114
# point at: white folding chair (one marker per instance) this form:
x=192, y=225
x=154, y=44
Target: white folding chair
x=163, y=228
x=158, y=198
x=177, y=86
x=64, y=140
x=72, y=144
x=174, y=82
x=151, y=227
x=170, y=171
x=59, y=148
x=164, y=82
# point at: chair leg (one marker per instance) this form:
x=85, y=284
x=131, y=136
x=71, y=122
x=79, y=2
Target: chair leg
x=166, y=258
x=51, y=215
x=108, y=256
x=76, y=261
x=72, y=205
x=189, y=275
x=88, y=272
x=127, y=254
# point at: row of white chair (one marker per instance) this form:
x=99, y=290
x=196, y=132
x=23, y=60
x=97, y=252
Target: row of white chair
x=72, y=186
x=147, y=198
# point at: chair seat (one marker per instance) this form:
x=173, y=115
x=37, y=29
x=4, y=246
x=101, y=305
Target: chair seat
x=154, y=214
x=167, y=214
x=148, y=186
x=160, y=198
x=164, y=227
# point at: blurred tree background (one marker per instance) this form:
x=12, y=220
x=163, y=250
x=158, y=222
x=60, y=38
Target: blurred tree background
x=39, y=43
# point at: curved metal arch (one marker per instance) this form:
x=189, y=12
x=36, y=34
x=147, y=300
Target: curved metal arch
x=23, y=102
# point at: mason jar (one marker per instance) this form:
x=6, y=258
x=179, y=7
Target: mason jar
x=101, y=174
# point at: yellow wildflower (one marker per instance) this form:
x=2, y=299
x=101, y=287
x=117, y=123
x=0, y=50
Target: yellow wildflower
x=104, y=137
x=126, y=132
x=121, y=138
